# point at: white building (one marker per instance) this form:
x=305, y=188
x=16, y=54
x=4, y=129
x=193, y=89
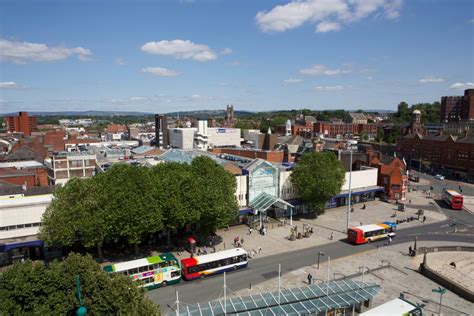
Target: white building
x=182, y=138
x=20, y=216
x=206, y=137
x=67, y=165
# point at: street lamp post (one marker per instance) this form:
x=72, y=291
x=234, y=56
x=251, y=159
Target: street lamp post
x=319, y=256
x=350, y=183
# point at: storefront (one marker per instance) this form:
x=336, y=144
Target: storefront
x=360, y=195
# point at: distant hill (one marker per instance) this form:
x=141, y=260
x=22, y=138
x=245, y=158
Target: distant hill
x=199, y=114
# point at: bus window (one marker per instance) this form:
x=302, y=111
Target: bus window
x=134, y=271
x=143, y=269
x=175, y=274
x=156, y=266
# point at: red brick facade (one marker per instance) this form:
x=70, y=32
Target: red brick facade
x=440, y=153
x=340, y=129
x=29, y=176
x=392, y=176
x=277, y=156
x=21, y=123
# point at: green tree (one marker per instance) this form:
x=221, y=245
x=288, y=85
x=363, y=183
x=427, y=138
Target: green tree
x=174, y=191
x=63, y=220
x=132, y=211
x=380, y=135
x=214, y=194
x=32, y=289
x=318, y=177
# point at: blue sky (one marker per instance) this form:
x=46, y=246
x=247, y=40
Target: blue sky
x=161, y=56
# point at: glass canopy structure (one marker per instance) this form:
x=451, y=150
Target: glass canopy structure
x=307, y=300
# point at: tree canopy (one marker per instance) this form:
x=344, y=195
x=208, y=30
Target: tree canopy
x=430, y=112
x=130, y=202
x=318, y=177
x=33, y=289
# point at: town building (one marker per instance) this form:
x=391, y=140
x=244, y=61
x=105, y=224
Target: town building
x=182, y=138
x=24, y=173
x=21, y=123
x=20, y=221
x=66, y=165
x=161, y=131
x=457, y=108
x=358, y=118
x=342, y=130
x=393, y=176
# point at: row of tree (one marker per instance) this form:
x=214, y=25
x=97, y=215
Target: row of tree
x=430, y=112
x=31, y=288
x=129, y=203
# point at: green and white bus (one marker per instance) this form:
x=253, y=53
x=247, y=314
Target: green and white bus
x=151, y=272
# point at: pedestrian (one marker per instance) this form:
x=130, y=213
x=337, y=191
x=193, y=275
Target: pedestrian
x=389, y=240
x=332, y=236
x=410, y=251
x=409, y=201
x=205, y=249
x=242, y=241
x=424, y=219
x=363, y=207
x=213, y=248
x=259, y=249
x=250, y=230
x=310, y=278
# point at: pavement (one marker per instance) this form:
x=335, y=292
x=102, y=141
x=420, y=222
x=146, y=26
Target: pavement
x=398, y=276
x=332, y=223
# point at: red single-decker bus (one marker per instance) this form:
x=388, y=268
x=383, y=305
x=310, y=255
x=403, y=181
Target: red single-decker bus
x=454, y=199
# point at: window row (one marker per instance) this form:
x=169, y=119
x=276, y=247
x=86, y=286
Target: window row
x=20, y=226
x=217, y=264
x=375, y=233
x=151, y=267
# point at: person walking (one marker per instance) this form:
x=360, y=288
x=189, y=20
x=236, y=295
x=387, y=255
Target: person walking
x=424, y=219
x=389, y=240
x=410, y=251
x=310, y=278
x=332, y=236
x=259, y=249
x=250, y=230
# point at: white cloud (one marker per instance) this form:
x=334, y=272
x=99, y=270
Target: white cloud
x=195, y=97
x=328, y=88
x=120, y=61
x=296, y=13
x=23, y=52
x=226, y=51
x=180, y=49
x=322, y=70
x=10, y=85
x=324, y=27
x=430, y=79
x=293, y=80
x=163, y=72
x=462, y=85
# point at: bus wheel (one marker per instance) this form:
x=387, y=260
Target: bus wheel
x=164, y=284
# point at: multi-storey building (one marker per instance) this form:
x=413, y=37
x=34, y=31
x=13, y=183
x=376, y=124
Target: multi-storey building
x=341, y=129
x=66, y=165
x=21, y=123
x=161, y=131
x=457, y=108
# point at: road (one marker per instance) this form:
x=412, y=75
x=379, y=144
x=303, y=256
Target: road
x=265, y=268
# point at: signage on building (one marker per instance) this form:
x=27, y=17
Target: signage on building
x=221, y=130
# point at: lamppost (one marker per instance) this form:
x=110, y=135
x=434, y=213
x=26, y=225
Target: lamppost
x=350, y=183
x=320, y=254
x=441, y=291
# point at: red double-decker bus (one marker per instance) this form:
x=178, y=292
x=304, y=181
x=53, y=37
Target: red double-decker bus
x=454, y=199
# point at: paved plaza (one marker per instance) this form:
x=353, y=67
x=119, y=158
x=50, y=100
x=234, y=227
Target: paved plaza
x=331, y=223
x=396, y=274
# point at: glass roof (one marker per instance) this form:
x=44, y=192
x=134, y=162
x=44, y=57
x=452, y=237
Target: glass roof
x=296, y=301
x=264, y=200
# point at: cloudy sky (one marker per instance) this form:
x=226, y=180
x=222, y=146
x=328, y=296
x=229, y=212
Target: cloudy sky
x=160, y=56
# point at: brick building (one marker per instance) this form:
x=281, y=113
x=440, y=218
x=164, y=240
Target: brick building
x=341, y=129
x=445, y=154
x=276, y=156
x=392, y=175
x=457, y=108
x=21, y=123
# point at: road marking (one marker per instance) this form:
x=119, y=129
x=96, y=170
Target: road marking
x=417, y=234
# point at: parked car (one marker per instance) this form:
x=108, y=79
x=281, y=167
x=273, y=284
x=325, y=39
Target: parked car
x=439, y=177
